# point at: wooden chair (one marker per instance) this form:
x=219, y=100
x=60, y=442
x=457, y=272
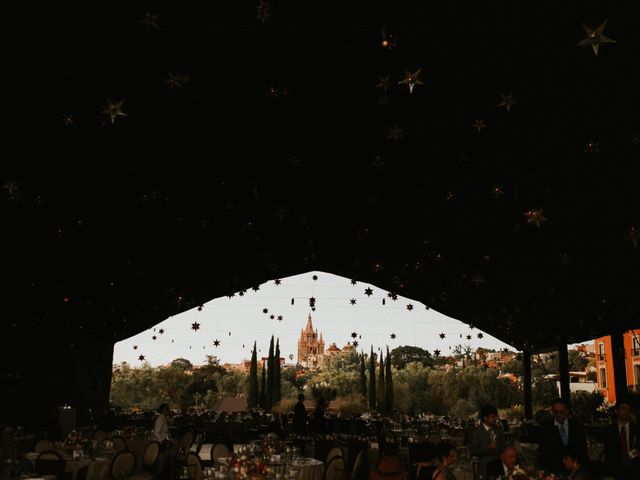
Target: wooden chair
x=335, y=469
x=194, y=466
x=219, y=450
x=149, y=462
x=356, y=468
x=122, y=465
x=334, y=452
x=119, y=443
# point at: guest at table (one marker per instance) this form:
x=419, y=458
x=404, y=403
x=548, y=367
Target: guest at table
x=448, y=456
x=425, y=466
x=573, y=465
x=503, y=466
x=487, y=440
x=556, y=435
x=300, y=416
x=389, y=465
x=318, y=424
x=621, y=439
x=161, y=425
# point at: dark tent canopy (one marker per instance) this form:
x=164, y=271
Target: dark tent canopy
x=263, y=139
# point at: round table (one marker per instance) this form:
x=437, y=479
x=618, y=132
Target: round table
x=308, y=469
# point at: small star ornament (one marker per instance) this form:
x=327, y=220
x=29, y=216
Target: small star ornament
x=280, y=318
x=409, y=307
x=535, y=217
x=67, y=120
x=384, y=83
x=480, y=335
x=135, y=347
x=355, y=343
x=393, y=336
x=591, y=147
x=216, y=343
x=411, y=79
x=507, y=101
x=195, y=326
x=352, y=301
x=263, y=11
x=161, y=331
x=113, y=110
x=436, y=352
x=354, y=334
x=479, y=124
x=497, y=191
x=595, y=37
x=395, y=133
x=468, y=337
x=442, y=335
x=150, y=21
x=368, y=292
x=154, y=337
x=141, y=358
x=277, y=281
x=265, y=310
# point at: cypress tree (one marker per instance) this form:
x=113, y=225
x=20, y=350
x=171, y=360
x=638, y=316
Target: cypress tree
x=388, y=396
x=268, y=394
x=277, y=392
x=372, y=381
x=363, y=377
x=381, y=389
x=263, y=387
x=253, y=378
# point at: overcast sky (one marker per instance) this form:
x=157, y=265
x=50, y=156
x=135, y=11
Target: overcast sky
x=236, y=322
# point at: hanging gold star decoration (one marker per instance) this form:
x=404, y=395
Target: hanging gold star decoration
x=161, y=331
x=135, y=347
x=256, y=288
x=12, y=188
x=154, y=337
x=507, y=101
x=277, y=281
x=395, y=133
x=409, y=307
x=264, y=11
x=315, y=278
x=442, y=335
x=354, y=281
x=535, y=217
x=200, y=307
x=312, y=302
x=277, y=92
x=141, y=358
x=272, y=316
x=591, y=147
x=354, y=334
x=480, y=335
x=67, y=120
x=150, y=21
x=468, y=337
x=216, y=343
x=384, y=83
x=393, y=296
x=436, y=352
x=195, y=326
x=633, y=236
x=411, y=79
x=280, y=317
x=368, y=292
x=114, y=110
x=595, y=37
x=176, y=81
x=265, y=310
x=393, y=336
x=355, y=344
x=353, y=301
x=479, y=124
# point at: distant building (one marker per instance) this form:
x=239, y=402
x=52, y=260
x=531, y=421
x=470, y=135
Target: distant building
x=310, y=347
x=604, y=364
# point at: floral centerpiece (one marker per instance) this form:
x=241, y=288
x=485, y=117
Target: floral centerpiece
x=74, y=441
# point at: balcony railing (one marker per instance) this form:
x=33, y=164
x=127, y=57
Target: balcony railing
x=635, y=352
x=601, y=357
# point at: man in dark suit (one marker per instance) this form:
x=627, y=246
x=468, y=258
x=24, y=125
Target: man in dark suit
x=503, y=466
x=487, y=440
x=558, y=434
x=622, y=443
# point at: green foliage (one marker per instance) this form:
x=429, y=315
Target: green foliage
x=463, y=409
x=388, y=392
x=182, y=363
x=402, y=356
x=544, y=391
x=277, y=384
x=372, y=381
x=363, y=378
x=381, y=387
x=253, y=396
x=585, y=404
x=268, y=393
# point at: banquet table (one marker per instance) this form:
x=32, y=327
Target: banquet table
x=97, y=468
x=307, y=468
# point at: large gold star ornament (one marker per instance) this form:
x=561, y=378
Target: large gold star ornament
x=507, y=101
x=395, y=133
x=595, y=37
x=114, y=110
x=411, y=79
x=384, y=83
x=479, y=124
x=535, y=217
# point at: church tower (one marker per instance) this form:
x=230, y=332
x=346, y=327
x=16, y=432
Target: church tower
x=310, y=347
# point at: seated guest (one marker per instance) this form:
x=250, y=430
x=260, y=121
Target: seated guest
x=389, y=465
x=556, y=435
x=572, y=465
x=426, y=463
x=448, y=456
x=487, y=440
x=622, y=443
x=503, y=466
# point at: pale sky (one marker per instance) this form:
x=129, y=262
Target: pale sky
x=236, y=322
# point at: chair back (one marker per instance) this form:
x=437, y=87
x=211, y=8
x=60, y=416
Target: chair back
x=219, y=450
x=199, y=440
x=357, y=465
x=435, y=439
x=122, y=465
x=186, y=441
x=100, y=435
x=50, y=462
x=42, y=445
x=119, y=443
x=151, y=453
x=194, y=466
x=334, y=452
x=335, y=469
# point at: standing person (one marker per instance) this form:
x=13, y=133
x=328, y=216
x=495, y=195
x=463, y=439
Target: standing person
x=161, y=425
x=300, y=416
x=487, y=440
x=622, y=443
x=558, y=434
x=318, y=424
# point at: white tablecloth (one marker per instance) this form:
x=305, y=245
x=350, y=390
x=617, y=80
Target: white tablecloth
x=309, y=469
